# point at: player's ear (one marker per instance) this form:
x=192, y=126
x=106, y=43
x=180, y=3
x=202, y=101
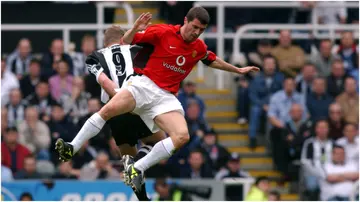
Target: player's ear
x=185, y=20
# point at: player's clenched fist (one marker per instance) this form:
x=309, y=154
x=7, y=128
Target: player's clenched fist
x=142, y=22
x=249, y=69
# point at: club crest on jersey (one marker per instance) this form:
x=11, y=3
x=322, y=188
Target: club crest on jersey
x=194, y=53
x=180, y=61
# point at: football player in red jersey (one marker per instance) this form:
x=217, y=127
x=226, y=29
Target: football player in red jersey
x=176, y=50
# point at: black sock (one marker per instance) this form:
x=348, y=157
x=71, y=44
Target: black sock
x=142, y=196
x=142, y=152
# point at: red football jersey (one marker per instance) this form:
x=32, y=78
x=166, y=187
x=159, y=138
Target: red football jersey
x=172, y=59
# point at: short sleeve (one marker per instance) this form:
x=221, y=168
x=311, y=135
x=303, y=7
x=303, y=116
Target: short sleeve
x=151, y=35
x=209, y=56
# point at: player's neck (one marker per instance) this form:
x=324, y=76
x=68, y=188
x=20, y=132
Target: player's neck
x=115, y=43
x=182, y=32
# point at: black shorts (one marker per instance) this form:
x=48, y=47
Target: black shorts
x=128, y=129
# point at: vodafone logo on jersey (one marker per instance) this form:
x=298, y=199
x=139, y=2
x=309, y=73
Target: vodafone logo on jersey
x=180, y=60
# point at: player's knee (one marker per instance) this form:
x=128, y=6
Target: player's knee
x=107, y=111
x=183, y=138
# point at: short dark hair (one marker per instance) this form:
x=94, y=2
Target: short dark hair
x=113, y=34
x=11, y=129
x=276, y=194
x=26, y=194
x=289, y=78
x=35, y=61
x=268, y=56
x=199, y=13
x=260, y=179
x=336, y=146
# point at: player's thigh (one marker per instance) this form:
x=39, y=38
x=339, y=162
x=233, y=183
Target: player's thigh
x=174, y=124
x=154, y=138
x=121, y=103
x=126, y=149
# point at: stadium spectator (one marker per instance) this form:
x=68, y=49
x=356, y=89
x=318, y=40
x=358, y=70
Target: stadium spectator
x=61, y=84
x=168, y=192
x=196, y=167
x=335, y=14
x=6, y=174
x=274, y=196
x=88, y=45
x=233, y=170
x=339, y=177
x=102, y=140
x=264, y=85
x=60, y=127
x=215, y=154
x=29, y=171
x=336, y=79
x=35, y=134
x=290, y=57
x=193, y=118
x=348, y=51
x=8, y=82
x=26, y=196
x=257, y=58
x=349, y=101
x=50, y=59
x=101, y=168
x=278, y=114
x=42, y=99
x=259, y=191
x=242, y=100
x=318, y=101
x=75, y=104
x=293, y=136
x=19, y=61
x=336, y=121
x=85, y=155
x=296, y=131
x=4, y=120
x=15, y=108
x=305, y=79
x=350, y=142
x=315, y=153
x=324, y=59
x=28, y=82
x=163, y=169
x=189, y=93
x=65, y=171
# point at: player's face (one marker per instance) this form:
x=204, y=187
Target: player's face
x=193, y=29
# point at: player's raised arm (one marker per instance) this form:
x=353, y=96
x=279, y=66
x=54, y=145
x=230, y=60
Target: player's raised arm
x=218, y=63
x=140, y=25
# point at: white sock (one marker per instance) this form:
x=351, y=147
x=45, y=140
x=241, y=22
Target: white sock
x=161, y=150
x=91, y=128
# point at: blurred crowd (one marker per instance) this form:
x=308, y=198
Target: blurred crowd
x=307, y=103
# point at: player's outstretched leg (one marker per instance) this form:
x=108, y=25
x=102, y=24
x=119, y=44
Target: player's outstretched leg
x=174, y=124
x=64, y=149
x=121, y=103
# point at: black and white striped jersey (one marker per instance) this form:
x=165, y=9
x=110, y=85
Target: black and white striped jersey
x=115, y=61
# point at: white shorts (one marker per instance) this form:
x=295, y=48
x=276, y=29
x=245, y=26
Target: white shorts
x=151, y=100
